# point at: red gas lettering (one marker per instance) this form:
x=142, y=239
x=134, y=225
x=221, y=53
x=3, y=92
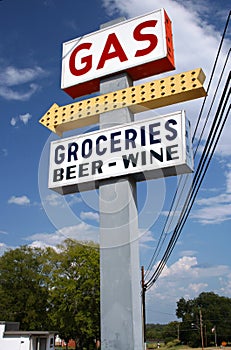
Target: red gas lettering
x=87, y=60
x=152, y=38
x=113, y=41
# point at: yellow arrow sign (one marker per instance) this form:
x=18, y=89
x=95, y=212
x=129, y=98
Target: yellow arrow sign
x=154, y=94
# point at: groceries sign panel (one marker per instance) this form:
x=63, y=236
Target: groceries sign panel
x=148, y=149
x=142, y=47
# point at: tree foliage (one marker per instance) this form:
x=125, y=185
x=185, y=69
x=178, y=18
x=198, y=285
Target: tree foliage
x=208, y=311
x=163, y=332
x=154, y=332
x=53, y=289
x=23, y=295
x=74, y=295
x=58, y=289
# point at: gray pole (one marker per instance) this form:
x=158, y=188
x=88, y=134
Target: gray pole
x=121, y=318
x=201, y=329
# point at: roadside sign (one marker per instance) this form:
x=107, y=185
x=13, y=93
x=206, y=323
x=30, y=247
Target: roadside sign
x=147, y=149
x=177, y=88
x=141, y=46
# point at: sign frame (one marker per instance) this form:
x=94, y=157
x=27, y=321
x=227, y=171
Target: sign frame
x=68, y=157
x=118, y=41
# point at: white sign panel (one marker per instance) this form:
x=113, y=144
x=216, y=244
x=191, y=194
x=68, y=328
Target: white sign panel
x=141, y=46
x=148, y=149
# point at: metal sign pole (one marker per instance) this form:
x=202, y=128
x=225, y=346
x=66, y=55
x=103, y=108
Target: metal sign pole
x=121, y=319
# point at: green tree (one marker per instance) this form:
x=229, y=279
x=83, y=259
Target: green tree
x=189, y=313
x=171, y=331
x=154, y=331
x=23, y=293
x=75, y=293
x=203, y=313
x=55, y=289
x=163, y=332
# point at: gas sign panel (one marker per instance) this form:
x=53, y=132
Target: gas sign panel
x=148, y=149
x=141, y=46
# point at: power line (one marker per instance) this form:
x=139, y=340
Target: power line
x=212, y=140
x=212, y=73
x=213, y=100
x=182, y=220
x=177, y=201
x=171, y=212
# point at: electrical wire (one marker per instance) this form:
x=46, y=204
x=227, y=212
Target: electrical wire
x=213, y=100
x=171, y=212
x=182, y=220
x=173, y=242
x=212, y=73
x=207, y=154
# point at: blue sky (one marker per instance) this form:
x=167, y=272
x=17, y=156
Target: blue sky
x=31, y=37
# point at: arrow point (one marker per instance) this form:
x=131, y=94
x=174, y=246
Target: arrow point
x=50, y=118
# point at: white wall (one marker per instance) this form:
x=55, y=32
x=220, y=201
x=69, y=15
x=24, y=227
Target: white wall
x=20, y=342
x=2, y=330
x=14, y=344
x=25, y=344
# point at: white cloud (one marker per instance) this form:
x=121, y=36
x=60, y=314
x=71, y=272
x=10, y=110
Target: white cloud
x=89, y=215
x=25, y=118
x=228, y=179
x=72, y=199
x=13, y=121
x=197, y=287
x=81, y=232
x=226, y=285
x=23, y=200
x=215, y=209
x=186, y=269
x=213, y=214
x=54, y=200
x=10, y=94
x=188, y=253
x=18, y=84
x=220, y=199
x=146, y=239
x=184, y=278
x=39, y=244
x=180, y=267
x=12, y=76
x=3, y=248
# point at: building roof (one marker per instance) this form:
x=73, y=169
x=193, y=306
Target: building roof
x=12, y=329
x=29, y=333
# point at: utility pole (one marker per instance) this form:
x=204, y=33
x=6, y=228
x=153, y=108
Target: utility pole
x=143, y=305
x=216, y=336
x=205, y=336
x=201, y=329
x=214, y=330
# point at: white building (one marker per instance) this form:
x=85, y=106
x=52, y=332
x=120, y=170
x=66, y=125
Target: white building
x=11, y=338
